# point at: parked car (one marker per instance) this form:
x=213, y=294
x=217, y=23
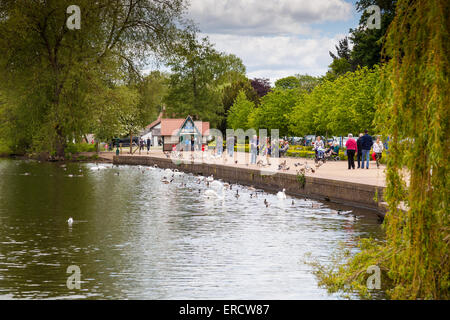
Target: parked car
x=125, y=141
x=296, y=141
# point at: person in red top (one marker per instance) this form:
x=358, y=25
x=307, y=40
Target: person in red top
x=352, y=148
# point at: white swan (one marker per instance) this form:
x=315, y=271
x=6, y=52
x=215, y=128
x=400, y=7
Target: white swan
x=70, y=221
x=281, y=195
x=211, y=193
x=98, y=168
x=217, y=184
x=210, y=178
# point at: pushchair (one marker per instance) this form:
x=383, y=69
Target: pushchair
x=332, y=156
x=320, y=156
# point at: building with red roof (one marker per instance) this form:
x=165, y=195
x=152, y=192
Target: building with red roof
x=184, y=133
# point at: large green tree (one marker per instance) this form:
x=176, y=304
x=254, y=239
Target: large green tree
x=152, y=91
x=344, y=105
x=239, y=112
x=49, y=73
x=367, y=43
x=275, y=110
x=198, y=75
x=231, y=91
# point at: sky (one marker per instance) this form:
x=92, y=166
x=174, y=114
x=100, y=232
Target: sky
x=276, y=38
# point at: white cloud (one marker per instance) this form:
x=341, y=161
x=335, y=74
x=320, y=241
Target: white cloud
x=275, y=57
x=263, y=17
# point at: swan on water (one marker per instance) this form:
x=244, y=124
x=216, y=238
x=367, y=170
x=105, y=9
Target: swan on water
x=98, y=168
x=70, y=221
x=217, y=184
x=210, y=178
x=211, y=193
x=281, y=195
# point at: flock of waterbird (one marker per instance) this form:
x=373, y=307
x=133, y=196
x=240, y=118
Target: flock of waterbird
x=216, y=189
x=301, y=168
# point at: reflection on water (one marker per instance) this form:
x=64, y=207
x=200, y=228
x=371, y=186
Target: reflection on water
x=135, y=237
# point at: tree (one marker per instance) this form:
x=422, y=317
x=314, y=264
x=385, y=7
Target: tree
x=367, y=43
x=338, y=68
x=287, y=83
x=413, y=99
x=119, y=115
x=230, y=93
x=344, y=105
x=275, y=110
x=198, y=72
x=239, y=112
x=55, y=71
x=307, y=82
x=152, y=91
x=261, y=86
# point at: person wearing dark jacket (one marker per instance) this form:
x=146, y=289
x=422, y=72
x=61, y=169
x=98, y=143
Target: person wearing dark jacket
x=366, y=145
x=359, y=153
x=148, y=144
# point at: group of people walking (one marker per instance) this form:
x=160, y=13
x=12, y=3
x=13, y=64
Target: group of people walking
x=143, y=144
x=266, y=148
x=361, y=149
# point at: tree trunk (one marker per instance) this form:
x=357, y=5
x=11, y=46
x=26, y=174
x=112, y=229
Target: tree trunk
x=131, y=143
x=60, y=143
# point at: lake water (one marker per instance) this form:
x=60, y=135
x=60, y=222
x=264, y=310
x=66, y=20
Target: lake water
x=135, y=237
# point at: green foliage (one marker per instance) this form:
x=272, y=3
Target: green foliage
x=288, y=83
x=275, y=110
x=198, y=74
x=338, y=68
x=80, y=147
x=346, y=105
x=239, y=111
x=152, y=90
x=4, y=149
x=413, y=100
x=120, y=115
x=307, y=82
x=50, y=76
x=347, y=273
x=366, y=51
x=301, y=179
x=414, y=107
x=229, y=94
x=367, y=43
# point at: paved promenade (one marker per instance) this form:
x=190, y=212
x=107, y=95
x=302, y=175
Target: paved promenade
x=330, y=170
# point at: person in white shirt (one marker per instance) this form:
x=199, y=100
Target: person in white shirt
x=378, y=149
x=319, y=147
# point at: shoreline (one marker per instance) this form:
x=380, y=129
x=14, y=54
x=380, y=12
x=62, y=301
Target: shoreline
x=352, y=194
x=339, y=191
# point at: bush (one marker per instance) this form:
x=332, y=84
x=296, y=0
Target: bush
x=4, y=150
x=247, y=148
x=80, y=147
